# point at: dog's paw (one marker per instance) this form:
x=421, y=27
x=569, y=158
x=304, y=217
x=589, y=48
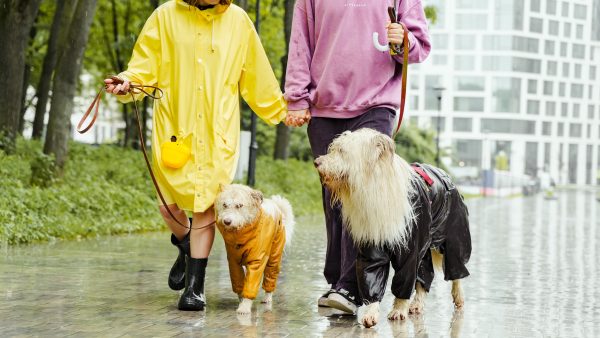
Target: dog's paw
x=400, y=310
x=268, y=298
x=457, y=294
x=245, y=307
x=459, y=301
x=416, y=308
x=370, y=315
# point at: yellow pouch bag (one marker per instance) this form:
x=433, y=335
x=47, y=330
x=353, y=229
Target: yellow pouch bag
x=175, y=153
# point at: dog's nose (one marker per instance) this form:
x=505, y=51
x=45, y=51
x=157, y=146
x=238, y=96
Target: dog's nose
x=318, y=162
x=227, y=221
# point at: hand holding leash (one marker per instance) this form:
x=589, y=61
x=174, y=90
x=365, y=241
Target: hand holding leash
x=116, y=85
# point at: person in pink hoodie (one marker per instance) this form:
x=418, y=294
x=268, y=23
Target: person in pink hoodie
x=337, y=80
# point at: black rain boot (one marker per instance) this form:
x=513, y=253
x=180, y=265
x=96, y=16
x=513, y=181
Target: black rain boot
x=177, y=273
x=192, y=298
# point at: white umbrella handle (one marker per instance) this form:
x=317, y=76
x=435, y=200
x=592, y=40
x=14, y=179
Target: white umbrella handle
x=380, y=47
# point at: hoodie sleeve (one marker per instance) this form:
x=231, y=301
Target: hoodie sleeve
x=412, y=15
x=298, y=79
x=258, y=84
x=145, y=60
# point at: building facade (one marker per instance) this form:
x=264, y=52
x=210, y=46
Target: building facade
x=514, y=83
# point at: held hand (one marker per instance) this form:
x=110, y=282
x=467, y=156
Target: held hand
x=116, y=86
x=395, y=33
x=297, y=118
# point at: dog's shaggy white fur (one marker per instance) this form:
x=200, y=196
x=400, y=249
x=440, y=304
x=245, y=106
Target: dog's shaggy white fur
x=353, y=169
x=237, y=207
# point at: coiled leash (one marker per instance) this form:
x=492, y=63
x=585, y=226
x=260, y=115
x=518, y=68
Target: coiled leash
x=394, y=50
x=133, y=90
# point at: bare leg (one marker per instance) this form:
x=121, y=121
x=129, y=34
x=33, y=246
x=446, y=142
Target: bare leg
x=418, y=302
x=176, y=229
x=201, y=240
x=457, y=294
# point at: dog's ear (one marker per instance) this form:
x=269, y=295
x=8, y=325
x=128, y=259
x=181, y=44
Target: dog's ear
x=385, y=145
x=257, y=196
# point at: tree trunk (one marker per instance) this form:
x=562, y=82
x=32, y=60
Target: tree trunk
x=16, y=20
x=282, y=140
x=43, y=88
x=65, y=82
x=24, y=105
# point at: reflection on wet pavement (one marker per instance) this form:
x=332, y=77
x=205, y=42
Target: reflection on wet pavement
x=534, y=273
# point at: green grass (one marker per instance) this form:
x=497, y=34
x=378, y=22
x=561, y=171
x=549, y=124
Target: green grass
x=106, y=190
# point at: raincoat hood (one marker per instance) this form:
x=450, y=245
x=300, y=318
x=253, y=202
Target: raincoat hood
x=220, y=8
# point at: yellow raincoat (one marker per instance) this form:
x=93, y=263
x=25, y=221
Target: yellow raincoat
x=259, y=248
x=202, y=60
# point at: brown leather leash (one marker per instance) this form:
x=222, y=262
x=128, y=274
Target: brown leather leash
x=405, y=48
x=133, y=90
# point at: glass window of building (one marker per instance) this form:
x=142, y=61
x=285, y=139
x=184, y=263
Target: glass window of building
x=553, y=27
x=565, y=69
x=564, y=109
x=575, y=130
x=468, y=152
x=580, y=12
x=588, y=162
x=531, y=155
x=508, y=14
x=567, y=30
x=577, y=90
x=438, y=120
x=550, y=108
x=469, y=83
x=547, y=128
x=565, y=9
x=439, y=60
x=578, y=51
x=462, y=124
x=592, y=72
x=572, y=163
x=471, y=21
x=563, y=49
x=562, y=89
x=591, y=91
x=577, y=71
x=547, y=152
x=431, y=95
x=473, y=104
x=506, y=95
x=464, y=62
x=463, y=41
x=414, y=102
x=472, y=4
x=533, y=107
x=504, y=126
x=576, y=108
x=551, y=6
x=560, y=129
x=549, y=47
x=532, y=86
x=439, y=41
x=551, y=67
x=579, y=32
x=534, y=6
x=591, y=111
x=548, y=87
x=536, y=25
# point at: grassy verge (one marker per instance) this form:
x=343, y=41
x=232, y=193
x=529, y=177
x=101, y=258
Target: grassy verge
x=106, y=190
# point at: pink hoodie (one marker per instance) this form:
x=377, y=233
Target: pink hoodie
x=333, y=66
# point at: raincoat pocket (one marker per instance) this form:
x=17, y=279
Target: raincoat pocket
x=174, y=153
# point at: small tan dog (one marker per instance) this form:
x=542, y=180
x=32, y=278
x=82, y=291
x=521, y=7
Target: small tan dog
x=255, y=231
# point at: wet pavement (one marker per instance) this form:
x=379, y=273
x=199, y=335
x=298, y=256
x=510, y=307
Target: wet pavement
x=534, y=273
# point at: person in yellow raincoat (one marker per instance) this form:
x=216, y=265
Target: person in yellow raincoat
x=203, y=54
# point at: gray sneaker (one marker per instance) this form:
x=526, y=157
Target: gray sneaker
x=323, y=301
x=342, y=300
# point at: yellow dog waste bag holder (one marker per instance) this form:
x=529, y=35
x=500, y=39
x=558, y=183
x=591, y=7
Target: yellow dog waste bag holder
x=174, y=153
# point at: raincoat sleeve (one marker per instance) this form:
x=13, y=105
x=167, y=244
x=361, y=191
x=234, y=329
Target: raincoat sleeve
x=258, y=85
x=297, y=79
x=145, y=60
x=412, y=15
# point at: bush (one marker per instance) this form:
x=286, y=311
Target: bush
x=107, y=190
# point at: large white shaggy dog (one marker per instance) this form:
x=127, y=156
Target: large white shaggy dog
x=255, y=231
x=400, y=214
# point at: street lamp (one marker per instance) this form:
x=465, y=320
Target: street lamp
x=253, y=143
x=439, y=90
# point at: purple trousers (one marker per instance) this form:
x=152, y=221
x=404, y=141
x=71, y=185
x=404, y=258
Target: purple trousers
x=340, y=257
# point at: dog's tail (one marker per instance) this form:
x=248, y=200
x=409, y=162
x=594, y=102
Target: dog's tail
x=288, y=217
